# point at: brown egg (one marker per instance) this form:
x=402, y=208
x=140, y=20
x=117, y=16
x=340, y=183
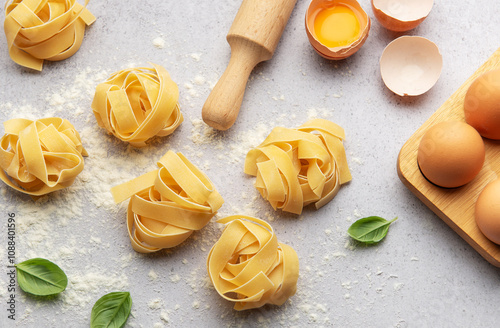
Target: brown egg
x=451, y=154
x=482, y=105
x=488, y=211
x=401, y=16
x=336, y=28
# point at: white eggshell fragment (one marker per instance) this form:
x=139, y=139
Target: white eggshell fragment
x=401, y=15
x=410, y=65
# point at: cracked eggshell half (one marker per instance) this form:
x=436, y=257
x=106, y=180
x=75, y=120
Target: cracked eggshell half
x=410, y=65
x=402, y=15
x=323, y=27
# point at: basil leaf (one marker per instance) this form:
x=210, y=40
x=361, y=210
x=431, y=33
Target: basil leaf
x=41, y=277
x=370, y=230
x=111, y=311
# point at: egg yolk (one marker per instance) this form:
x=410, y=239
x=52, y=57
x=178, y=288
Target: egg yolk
x=336, y=26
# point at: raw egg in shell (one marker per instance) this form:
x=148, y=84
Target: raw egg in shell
x=482, y=104
x=487, y=211
x=451, y=154
x=336, y=28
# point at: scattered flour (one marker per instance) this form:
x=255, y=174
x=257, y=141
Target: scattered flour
x=201, y=134
x=159, y=42
x=196, y=56
x=164, y=316
x=175, y=278
x=313, y=113
x=152, y=275
x=155, y=304
x=356, y=160
x=199, y=80
x=86, y=289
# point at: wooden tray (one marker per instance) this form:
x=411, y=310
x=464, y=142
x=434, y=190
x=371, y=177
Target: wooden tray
x=455, y=206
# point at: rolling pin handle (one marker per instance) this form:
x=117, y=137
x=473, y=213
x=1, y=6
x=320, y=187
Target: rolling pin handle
x=223, y=104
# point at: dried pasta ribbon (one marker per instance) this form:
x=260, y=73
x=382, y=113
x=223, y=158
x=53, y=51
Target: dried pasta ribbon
x=38, y=157
x=136, y=104
x=168, y=204
x=39, y=30
x=248, y=266
x=297, y=167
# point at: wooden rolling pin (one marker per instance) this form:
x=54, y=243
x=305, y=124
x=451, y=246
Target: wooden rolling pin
x=253, y=37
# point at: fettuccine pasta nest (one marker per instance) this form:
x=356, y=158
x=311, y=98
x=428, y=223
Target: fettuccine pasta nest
x=38, y=157
x=137, y=104
x=248, y=266
x=167, y=204
x=39, y=30
x=297, y=167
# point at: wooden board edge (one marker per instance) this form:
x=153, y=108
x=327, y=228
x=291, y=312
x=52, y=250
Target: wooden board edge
x=404, y=179
x=405, y=156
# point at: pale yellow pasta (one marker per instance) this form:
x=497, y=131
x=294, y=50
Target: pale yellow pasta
x=168, y=204
x=137, y=104
x=297, y=167
x=39, y=30
x=248, y=266
x=38, y=157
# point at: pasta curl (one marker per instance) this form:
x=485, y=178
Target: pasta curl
x=248, y=265
x=137, y=104
x=167, y=204
x=297, y=167
x=42, y=156
x=39, y=30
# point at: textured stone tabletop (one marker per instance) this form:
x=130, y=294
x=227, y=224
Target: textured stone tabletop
x=422, y=275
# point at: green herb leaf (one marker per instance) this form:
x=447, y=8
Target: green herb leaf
x=370, y=230
x=41, y=277
x=111, y=310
